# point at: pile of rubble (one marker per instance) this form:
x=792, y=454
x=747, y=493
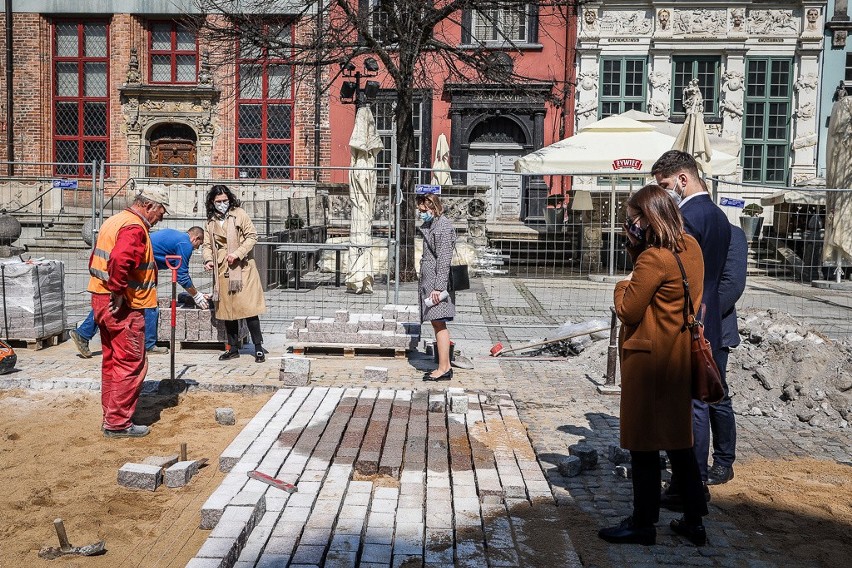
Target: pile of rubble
x=784, y=370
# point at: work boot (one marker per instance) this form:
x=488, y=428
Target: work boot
x=134, y=431
x=81, y=344
x=157, y=350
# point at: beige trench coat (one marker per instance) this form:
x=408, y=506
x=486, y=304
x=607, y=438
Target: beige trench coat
x=656, y=402
x=248, y=301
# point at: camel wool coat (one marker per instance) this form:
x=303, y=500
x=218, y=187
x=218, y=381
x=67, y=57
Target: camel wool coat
x=248, y=301
x=655, y=349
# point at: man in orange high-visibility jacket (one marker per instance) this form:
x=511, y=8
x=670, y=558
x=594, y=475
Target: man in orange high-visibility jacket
x=123, y=283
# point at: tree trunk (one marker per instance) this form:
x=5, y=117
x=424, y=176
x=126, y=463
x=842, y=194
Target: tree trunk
x=406, y=159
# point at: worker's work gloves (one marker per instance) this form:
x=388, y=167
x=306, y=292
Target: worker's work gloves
x=200, y=300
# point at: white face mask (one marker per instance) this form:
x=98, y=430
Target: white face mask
x=222, y=206
x=677, y=196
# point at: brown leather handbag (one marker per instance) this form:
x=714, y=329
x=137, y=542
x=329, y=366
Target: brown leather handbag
x=706, y=379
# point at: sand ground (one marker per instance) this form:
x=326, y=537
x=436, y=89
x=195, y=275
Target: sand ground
x=55, y=463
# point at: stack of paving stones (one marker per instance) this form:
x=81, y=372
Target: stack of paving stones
x=384, y=477
x=156, y=470
x=32, y=299
x=193, y=325
x=397, y=327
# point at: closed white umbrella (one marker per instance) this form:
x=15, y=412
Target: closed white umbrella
x=364, y=145
x=692, y=137
x=441, y=165
x=838, y=205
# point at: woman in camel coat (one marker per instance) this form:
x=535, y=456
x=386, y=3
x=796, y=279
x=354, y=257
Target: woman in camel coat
x=229, y=239
x=655, y=350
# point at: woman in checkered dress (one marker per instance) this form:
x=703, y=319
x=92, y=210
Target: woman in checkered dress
x=439, y=238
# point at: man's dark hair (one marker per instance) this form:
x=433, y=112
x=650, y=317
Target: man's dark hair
x=675, y=161
x=195, y=232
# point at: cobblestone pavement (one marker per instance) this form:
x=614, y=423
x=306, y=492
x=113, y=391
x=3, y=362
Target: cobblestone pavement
x=556, y=400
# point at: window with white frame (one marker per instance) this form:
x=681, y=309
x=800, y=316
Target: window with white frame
x=516, y=24
x=383, y=110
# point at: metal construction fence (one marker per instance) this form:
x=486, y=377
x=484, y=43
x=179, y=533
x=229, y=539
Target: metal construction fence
x=536, y=261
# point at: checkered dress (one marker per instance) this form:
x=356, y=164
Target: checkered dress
x=439, y=238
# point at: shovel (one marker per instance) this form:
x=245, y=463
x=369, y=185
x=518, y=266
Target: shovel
x=65, y=548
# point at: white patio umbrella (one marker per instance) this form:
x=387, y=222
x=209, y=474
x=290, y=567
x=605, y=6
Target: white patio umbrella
x=838, y=205
x=364, y=145
x=614, y=145
x=692, y=137
x=441, y=165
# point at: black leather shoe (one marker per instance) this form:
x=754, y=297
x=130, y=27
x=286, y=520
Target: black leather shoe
x=259, y=357
x=445, y=377
x=672, y=501
x=719, y=474
x=229, y=355
x=696, y=534
x=626, y=533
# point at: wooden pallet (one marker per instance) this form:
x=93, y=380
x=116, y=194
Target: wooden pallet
x=40, y=343
x=347, y=350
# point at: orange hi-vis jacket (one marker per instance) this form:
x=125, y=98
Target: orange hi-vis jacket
x=141, y=291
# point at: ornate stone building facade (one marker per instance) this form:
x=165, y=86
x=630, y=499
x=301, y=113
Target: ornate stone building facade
x=757, y=65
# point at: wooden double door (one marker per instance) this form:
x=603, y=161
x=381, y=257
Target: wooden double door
x=172, y=158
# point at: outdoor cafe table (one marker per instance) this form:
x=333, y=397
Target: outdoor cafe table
x=298, y=249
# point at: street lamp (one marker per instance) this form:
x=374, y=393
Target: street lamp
x=351, y=92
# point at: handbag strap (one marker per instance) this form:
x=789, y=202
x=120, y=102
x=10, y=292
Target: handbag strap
x=689, y=319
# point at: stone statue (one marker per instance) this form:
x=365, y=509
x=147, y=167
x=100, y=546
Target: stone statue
x=840, y=92
x=813, y=16
x=737, y=21
x=693, y=102
x=133, y=76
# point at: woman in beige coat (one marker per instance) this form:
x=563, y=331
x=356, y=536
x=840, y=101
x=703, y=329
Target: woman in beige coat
x=229, y=239
x=655, y=350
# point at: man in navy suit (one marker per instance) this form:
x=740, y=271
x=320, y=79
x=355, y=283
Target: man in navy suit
x=677, y=172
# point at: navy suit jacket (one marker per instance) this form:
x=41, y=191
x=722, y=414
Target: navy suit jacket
x=711, y=228
x=732, y=285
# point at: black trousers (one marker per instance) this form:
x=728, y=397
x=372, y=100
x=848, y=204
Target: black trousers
x=232, y=329
x=646, y=486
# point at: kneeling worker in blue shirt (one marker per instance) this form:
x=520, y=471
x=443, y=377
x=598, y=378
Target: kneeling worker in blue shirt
x=164, y=242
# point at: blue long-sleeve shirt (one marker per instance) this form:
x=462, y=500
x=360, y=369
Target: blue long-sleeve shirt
x=171, y=241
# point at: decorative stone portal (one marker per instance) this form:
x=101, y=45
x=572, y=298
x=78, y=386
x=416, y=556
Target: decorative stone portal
x=169, y=126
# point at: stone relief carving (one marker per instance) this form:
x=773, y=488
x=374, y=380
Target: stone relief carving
x=133, y=76
x=658, y=107
x=700, y=21
x=807, y=82
x=733, y=81
x=805, y=141
x=586, y=108
x=664, y=17
x=588, y=80
x=624, y=22
x=205, y=76
x=806, y=110
x=771, y=22
x=659, y=79
x=590, y=27
x=812, y=17
x=801, y=177
x=733, y=108
x=737, y=18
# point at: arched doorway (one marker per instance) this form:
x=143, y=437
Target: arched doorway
x=172, y=151
x=495, y=143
